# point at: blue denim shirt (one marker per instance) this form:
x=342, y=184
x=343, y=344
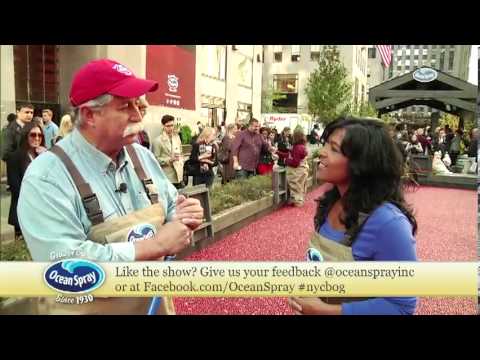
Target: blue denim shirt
x=50, y=211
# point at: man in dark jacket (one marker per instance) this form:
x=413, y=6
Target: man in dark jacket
x=11, y=136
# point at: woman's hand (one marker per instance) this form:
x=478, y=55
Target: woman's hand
x=313, y=306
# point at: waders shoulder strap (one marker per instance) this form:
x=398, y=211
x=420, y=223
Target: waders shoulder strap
x=351, y=234
x=147, y=182
x=89, y=199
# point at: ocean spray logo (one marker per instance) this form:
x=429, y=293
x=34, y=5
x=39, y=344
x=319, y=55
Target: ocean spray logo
x=172, y=82
x=141, y=232
x=74, y=276
x=425, y=75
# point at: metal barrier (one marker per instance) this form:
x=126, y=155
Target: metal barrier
x=279, y=185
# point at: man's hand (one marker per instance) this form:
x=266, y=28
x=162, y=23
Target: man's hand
x=189, y=212
x=170, y=239
x=313, y=306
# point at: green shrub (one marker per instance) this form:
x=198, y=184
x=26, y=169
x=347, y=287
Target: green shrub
x=236, y=192
x=15, y=251
x=186, y=134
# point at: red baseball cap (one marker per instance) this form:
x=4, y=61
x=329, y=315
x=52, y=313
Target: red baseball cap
x=105, y=76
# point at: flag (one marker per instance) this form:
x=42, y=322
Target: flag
x=386, y=54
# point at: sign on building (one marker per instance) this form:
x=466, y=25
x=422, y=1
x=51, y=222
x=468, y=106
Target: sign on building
x=174, y=69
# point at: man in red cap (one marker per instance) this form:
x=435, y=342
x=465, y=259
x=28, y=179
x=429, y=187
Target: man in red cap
x=98, y=194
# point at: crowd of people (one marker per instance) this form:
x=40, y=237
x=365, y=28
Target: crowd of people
x=235, y=151
x=443, y=142
x=100, y=180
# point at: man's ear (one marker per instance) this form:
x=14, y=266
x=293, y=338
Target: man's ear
x=88, y=116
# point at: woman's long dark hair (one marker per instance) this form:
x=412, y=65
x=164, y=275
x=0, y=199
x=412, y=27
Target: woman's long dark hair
x=375, y=168
x=24, y=134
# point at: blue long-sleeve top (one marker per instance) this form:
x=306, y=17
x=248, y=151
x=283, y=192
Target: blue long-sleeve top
x=385, y=236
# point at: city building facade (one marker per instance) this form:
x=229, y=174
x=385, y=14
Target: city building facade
x=287, y=69
x=211, y=84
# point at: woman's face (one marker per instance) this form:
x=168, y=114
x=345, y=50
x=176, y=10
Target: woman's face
x=271, y=136
x=211, y=137
x=265, y=134
x=333, y=165
x=414, y=138
x=35, y=138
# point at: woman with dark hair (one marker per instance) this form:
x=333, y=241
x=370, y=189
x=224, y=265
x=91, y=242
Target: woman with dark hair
x=32, y=144
x=265, y=165
x=284, y=145
x=364, y=216
x=297, y=169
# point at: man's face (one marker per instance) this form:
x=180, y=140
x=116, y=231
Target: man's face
x=113, y=119
x=169, y=127
x=47, y=116
x=254, y=127
x=25, y=115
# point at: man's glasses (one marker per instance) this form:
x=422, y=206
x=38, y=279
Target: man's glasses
x=314, y=255
x=35, y=135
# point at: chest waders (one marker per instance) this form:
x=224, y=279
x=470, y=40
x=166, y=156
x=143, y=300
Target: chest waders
x=121, y=229
x=338, y=252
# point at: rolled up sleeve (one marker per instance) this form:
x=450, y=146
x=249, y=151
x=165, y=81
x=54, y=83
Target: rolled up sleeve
x=51, y=223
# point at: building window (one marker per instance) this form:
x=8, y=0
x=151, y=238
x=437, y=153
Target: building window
x=372, y=53
x=442, y=60
x=424, y=57
x=399, y=67
x=407, y=52
x=295, y=53
x=434, y=46
x=285, y=83
x=315, y=52
x=450, y=60
x=277, y=56
x=415, y=57
x=215, y=65
x=416, y=51
x=36, y=73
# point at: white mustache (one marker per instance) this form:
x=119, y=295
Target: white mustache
x=133, y=129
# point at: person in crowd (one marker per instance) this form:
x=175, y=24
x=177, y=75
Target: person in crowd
x=414, y=147
x=66, y=127
x=50, y=129
x=284, y=146
x=12, y=133
x=266, y=162
x=440, y=142
x=246, y=150
x=143, y=138
x=99, y=195
x=297, y=169
x=456, y=146
x=315, y=135
x=425, y=141
x=204, y=157
x=32, y=144
x=473, y=150
x=364, y=216
x=225, y=156
x=167, y=148
x=10, y=120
